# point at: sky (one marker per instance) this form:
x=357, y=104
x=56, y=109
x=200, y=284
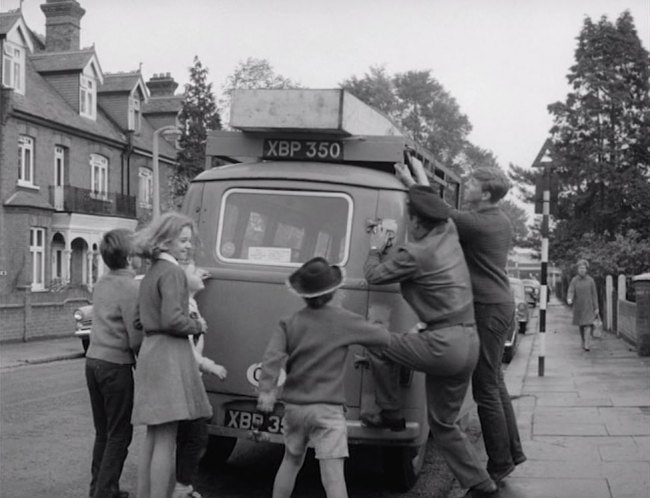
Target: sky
x=504, y=61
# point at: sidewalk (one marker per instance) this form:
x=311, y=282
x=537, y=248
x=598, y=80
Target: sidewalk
x=585, y=424
x=16, y=354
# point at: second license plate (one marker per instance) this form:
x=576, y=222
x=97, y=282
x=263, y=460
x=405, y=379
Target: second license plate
x=239, y=419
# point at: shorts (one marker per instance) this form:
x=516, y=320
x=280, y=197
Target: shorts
x=318, y=425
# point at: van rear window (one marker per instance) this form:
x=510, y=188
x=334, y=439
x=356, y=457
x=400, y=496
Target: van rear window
x=283, y=227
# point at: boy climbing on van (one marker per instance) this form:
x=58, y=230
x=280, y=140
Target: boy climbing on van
x=312, y=345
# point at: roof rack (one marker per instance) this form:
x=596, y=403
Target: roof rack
x=315, y=125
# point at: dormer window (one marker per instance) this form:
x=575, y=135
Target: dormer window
x=13, y=67
x=87, y=97
x=134, y=114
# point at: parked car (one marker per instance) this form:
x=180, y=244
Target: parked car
x=520, y=319
x=532, y=291
x=522, y=313
x=84, y=320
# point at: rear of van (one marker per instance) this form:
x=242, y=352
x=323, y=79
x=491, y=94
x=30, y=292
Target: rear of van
x=258, y=222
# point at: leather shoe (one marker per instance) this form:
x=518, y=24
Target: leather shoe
x=482, y=490
x=380, y=421
x=497, y=477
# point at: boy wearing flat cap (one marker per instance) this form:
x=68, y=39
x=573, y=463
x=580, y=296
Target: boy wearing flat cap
x=312, y=345
x=435, y=281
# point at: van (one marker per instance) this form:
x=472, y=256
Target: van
x=294, y=193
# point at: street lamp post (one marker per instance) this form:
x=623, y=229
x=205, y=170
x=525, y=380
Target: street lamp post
x=156, y=167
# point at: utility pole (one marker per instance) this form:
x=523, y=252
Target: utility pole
x=543, y=189
x=156, y=167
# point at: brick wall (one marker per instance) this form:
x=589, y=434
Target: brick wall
x=67, y=85
x=116, y=105
x=25, y=315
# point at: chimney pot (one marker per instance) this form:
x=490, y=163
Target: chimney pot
x=161, y=85
x=62, y=25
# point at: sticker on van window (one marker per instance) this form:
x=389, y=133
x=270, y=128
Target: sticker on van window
x=270, y=254
x=255, y=371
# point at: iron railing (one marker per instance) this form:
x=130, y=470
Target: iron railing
x=80, y=200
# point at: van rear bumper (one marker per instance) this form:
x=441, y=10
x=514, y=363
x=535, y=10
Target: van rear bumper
x=357, y=435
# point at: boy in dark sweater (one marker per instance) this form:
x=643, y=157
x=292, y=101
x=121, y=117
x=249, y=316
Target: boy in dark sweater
x=313, y=343
x=114, y=343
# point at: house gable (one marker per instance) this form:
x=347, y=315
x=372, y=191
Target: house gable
x=122, y=96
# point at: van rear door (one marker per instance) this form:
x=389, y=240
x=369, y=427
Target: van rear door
x=255, y=234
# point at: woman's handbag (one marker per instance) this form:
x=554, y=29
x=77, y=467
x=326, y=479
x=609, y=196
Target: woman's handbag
x=597, y=331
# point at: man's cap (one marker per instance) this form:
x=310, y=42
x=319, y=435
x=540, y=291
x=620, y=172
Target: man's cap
x=426, y=203
x=315, y=278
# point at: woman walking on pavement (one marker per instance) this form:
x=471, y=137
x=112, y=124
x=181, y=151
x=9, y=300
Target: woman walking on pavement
x=584, y=298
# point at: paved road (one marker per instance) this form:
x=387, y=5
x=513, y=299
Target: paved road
x=46, y=437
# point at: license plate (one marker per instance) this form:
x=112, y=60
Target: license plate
x=239, y=419
x=315, y=150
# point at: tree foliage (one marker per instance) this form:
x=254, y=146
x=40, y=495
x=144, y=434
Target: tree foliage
x=601, y=137
x=518, y=219
x=198, y=115
x=420, y=105
x=601, y=145
x=251, y=74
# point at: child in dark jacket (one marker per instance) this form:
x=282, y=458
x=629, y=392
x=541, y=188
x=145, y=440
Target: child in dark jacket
x=109, y=363
x=313, y=347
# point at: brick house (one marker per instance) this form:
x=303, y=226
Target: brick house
x=76, y=160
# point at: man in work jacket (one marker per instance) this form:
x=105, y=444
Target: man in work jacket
x=435, y=281
x=486, y=235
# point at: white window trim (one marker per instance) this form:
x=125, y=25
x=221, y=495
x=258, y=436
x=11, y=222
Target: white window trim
x=135, y=115
x=26, y=143
x=145, y=187
x=100, y=162
x=13, y=66
x=38, y=257
x=59, y=155
x=87, y=97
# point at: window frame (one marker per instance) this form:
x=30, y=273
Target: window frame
x=37, y=253
x=87, y=96
x=145, y=187
x=13, y=66
x=101, y=162
x=26, y=143
x=135, y=114
x=295, y=193
x=59, y=164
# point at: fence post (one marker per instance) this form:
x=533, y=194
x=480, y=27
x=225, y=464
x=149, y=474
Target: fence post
x=622, y=295
x=609, y=286
x=642, y=292
x=27, y=309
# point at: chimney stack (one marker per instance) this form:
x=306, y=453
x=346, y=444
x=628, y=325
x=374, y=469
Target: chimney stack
x=62, y=25
x=162, y=85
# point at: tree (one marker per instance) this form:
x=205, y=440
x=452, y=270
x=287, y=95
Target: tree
x=421, y=106
x=601, y=135
x=198, y=115
x=518, y=219
x=251, y=74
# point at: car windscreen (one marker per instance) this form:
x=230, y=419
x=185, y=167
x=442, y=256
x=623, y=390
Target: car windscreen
x=283, y=227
